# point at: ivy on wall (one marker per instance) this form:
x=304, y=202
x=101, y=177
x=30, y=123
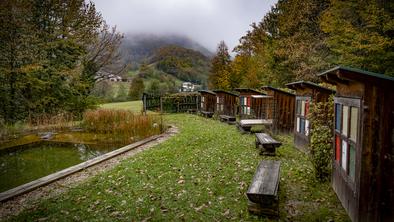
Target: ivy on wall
x=321, y=116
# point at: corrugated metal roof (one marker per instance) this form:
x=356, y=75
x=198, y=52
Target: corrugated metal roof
x=260, y=96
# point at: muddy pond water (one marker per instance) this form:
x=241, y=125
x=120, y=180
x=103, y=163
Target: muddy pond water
x=24, y=163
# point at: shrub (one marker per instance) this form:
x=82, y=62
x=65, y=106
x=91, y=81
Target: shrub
x=321, y=116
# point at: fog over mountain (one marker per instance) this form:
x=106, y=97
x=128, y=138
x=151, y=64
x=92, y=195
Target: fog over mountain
x=205, y=21
x=138, y=47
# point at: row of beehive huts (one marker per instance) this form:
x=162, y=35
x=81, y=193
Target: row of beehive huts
x=274, y=104
x=363, y=173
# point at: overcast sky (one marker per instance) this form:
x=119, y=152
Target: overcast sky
x=205, y=21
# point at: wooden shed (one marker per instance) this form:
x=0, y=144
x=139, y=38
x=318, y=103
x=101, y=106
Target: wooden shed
x=207, y=103
x=262, y=106
x=284, y=103
x=363, y=169
x=306, y=93
x=226, y=103
x=245, y=108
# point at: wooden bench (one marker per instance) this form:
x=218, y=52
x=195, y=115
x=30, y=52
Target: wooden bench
x=206, y=114
x=246, y=124
x=263, y=192
x=267, y=144
x=227, y=119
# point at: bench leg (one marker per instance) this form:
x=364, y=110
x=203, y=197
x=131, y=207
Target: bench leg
x=268, y=150
x=257, y=144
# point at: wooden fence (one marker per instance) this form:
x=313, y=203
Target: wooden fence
x=176, y=103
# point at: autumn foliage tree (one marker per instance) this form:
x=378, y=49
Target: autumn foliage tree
x=361, y=34
x=50, y=53
x=298, y=39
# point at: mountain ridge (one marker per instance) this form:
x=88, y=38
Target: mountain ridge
x=137, y=48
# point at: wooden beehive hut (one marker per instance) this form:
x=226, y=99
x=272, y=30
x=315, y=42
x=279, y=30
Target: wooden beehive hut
x=245, y=109
x=208, y=102
x=262, y=106
x=306, y=93
x=284, y=103
x=363, y=169
x=226, y=103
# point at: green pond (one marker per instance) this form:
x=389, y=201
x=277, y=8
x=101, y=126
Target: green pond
x=25, y=163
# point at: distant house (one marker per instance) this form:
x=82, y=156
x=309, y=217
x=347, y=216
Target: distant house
x=187, y=87
x=114, y=78
x=101, y=76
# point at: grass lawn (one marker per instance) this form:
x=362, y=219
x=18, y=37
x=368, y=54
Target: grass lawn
x=135, y=106
x=201, y=174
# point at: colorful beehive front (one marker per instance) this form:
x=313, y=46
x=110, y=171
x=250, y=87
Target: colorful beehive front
x=245, y=101
x=306, y=93
x=363, y=160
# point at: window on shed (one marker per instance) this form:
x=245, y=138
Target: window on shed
x=346, y=134
x=302, y=109
x=338, y=116
x=353, y=123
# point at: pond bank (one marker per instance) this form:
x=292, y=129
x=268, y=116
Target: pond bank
x=30, y=199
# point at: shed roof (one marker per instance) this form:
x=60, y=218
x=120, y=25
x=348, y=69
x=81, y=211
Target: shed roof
x=307, y=84
x=277, y=90
x=260, y=96
x=344, y=74
x=224, y=91
x=248, y=90
x=207, y=91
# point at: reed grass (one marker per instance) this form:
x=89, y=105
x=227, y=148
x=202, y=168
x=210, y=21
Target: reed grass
x=60, y=121
x=126, y=125
x=38, y=123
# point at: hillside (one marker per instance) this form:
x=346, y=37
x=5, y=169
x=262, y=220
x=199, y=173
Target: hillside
x=136, y=48
x=161, y=62
x=184, y=64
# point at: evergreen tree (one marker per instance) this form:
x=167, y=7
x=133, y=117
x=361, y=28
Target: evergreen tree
x=220, y=73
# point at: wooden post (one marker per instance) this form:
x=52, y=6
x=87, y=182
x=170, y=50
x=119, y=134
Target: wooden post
x=161, y=105
x=144, y=103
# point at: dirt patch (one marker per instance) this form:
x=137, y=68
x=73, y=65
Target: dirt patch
x=31, y=199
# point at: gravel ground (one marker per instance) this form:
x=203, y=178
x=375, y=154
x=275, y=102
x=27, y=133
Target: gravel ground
x=31, y=199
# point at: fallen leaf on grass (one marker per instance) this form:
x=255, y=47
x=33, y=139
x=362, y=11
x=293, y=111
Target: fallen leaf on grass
x=200, y=207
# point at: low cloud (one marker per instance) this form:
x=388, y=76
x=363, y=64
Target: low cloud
x=205, y=21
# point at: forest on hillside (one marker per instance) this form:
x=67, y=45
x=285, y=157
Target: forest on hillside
x=298, y=39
